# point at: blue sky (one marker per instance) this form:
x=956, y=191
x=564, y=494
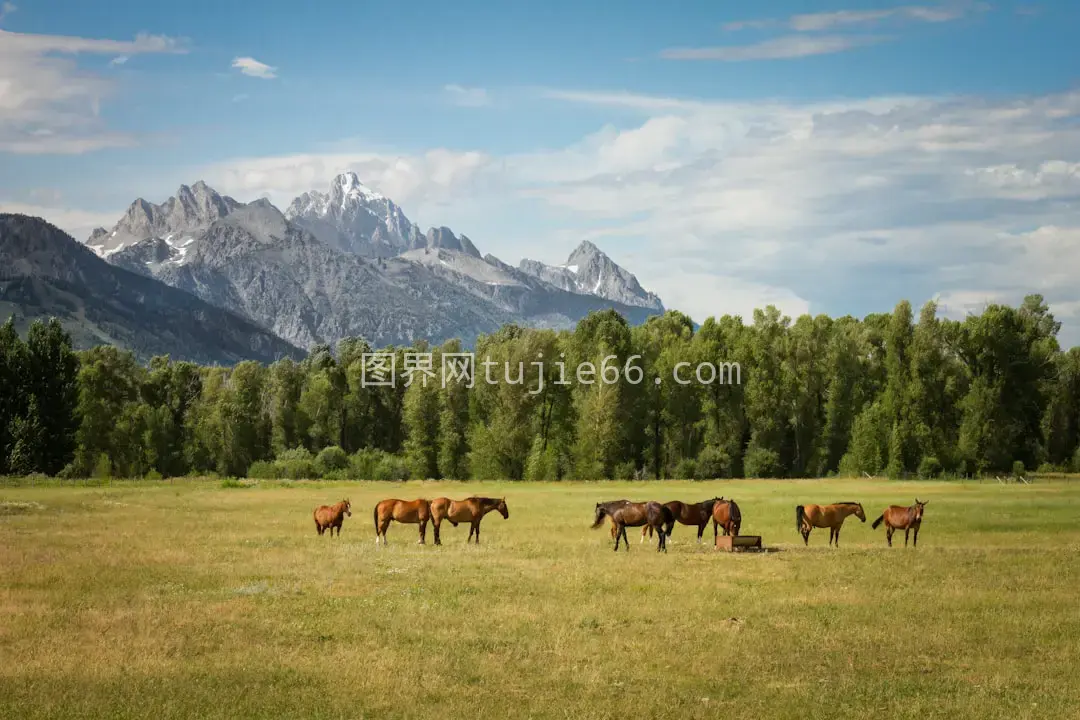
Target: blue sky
x=832, y=156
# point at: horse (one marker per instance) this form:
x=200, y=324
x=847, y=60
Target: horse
x=726, y=514
x=331, y=516
x=471, y=510
x=696, y=514
x=404, y=511
x=625, y=514
x=902, y=518
x=808, y=517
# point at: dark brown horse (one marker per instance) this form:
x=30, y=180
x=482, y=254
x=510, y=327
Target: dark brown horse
x=808, y=517
x=902, y=518
x=696, y=514
x=404, y=511
x=471, y=510
x=626, y=514
x=726, y=515
x=331, y=516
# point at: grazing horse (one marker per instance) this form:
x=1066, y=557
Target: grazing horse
x=726, y=514
x=808, y=517
x=902, y=518
x=331, y=516
x=625, y=514
x=696, y=514
x=404, y=511
x=471, y=510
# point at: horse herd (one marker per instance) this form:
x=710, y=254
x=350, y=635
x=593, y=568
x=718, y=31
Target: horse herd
x=652, y=517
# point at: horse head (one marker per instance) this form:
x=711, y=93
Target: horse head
x=860, y=514
x=503, y=510
x=918, y=509
x=599, y=519
x=348, y=507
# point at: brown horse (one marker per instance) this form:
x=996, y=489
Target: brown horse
x=726, y=514
x=404, y=511
x=902, y=518
x=331, y=516
x=808, y=517
x=696, y=514
x=471, y=510
x=626, y=514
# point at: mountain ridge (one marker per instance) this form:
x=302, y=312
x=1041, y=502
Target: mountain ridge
x=46, y=272
x=286, y=270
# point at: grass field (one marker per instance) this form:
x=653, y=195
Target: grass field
x=187, y=599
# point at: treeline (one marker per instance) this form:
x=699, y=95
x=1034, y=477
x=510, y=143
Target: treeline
x=888, y=394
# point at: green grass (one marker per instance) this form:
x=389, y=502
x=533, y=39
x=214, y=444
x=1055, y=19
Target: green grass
x=190, y=599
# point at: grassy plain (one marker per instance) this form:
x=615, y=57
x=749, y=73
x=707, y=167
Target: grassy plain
x=188, y=599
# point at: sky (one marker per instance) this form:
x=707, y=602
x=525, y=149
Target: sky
x=829, y=156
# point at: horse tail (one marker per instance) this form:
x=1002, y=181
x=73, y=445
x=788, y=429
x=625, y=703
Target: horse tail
x=375, y=517
x=799, y=513
x=878, y=521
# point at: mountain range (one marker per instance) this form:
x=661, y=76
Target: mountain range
x=342, y=263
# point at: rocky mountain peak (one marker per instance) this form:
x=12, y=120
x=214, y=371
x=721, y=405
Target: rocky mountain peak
x=444, y=237
x=589, y=271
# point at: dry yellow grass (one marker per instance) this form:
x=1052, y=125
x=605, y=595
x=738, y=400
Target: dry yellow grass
x=187, y=599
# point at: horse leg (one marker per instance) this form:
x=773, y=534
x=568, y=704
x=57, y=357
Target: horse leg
x=915, y=538
x=906, y=531
x=423, y=532
x=477, y=532
x=618, y=535
x=806, y=536
x=888, y=534
x=435, y=529
x=837, y=537
x=626, y=542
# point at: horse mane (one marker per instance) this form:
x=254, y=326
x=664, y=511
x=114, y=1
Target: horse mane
x=849, y=502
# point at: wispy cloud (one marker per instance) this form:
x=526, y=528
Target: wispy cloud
x=254, y=68
x=731, y=205
x=51, y=105
x=119, y=60
x=467, y=96
x=781, y=48
x=6, y=9
x=818, y=22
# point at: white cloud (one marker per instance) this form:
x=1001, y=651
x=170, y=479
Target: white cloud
x=467, y=96
x=822, y=21
x=839, y=206
x=781, y=48
x=77, y=223
x=6, y=9
x=118, y=60
x=254, y=68
x=50, y=105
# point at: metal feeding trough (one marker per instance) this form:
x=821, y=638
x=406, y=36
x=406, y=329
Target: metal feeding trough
x=738, y=543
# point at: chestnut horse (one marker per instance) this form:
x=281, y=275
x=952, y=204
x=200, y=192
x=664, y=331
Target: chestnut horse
x=902, y=518
x=696, y=514
x=726, y=514
x=626, y=514
x=404, y=511
x=331, y=516
x=808, y=517
x=471, y=510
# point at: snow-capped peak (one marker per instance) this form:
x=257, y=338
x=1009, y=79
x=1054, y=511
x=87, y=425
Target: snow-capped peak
x=352, y=187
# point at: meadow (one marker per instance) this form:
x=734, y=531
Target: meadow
x=188, y=598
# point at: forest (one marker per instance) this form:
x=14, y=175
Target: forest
x=890, y=394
